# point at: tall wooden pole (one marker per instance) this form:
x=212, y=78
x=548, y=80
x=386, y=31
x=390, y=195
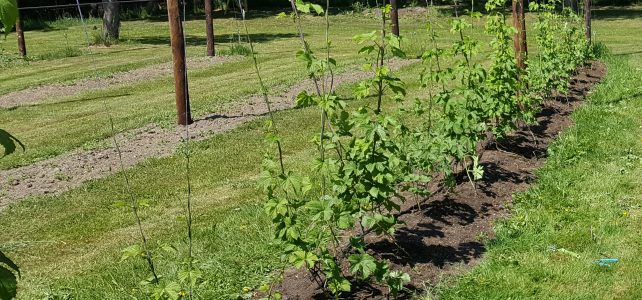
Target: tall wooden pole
x=22, y=47
x=394, y=17
x=517, y=23
x=587, y=19
x=180, y=69
x=209, y=28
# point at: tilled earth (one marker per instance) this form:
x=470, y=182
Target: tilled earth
x=445, y=234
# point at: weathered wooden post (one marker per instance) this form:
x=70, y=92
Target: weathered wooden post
x=394, y=17
x=180, y=69
x=209, y=28
x=587, y=19
x=22, y=47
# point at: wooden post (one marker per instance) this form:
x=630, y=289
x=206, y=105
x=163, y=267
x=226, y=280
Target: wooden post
x=209, y=28
x=524, y=44
x=394, y=17
x=517, y=23
x=587, y=19
x=22, y=47
x=180, y=70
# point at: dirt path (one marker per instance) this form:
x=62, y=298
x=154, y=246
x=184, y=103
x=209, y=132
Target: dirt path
x=445, y=236
x=61, y=173
x=36, y=95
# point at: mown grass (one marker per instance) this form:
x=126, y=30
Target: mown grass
x=70, y=244
x=65, y=123
x=587, y=200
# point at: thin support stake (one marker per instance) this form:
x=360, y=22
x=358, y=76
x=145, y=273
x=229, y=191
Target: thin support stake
x=128, y=186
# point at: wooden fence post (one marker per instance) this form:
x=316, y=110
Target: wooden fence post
x=517, y=23
x=587, y=19
x=180, y=69
x=394, y=17
x=22, y=47
x=209, y=28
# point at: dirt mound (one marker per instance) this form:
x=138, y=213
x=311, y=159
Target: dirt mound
x=445, y=234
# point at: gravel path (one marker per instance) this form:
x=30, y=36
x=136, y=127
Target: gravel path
x=37, y=95
x=70, y=170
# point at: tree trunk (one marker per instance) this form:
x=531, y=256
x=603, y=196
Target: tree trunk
x=111, y=21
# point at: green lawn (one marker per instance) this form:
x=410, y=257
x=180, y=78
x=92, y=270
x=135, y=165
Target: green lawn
x=587, y=199
x=80, y=120
x=70, y=244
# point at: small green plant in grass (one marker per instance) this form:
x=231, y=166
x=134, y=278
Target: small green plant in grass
x=68, y=51
x=236, y=49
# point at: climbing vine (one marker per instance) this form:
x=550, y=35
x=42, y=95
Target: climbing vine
x=368, y=156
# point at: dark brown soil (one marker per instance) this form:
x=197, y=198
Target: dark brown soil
x=445, y=235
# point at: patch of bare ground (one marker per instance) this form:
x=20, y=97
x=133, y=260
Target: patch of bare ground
x=41, y=94
x=61, y=173
x=444, y=235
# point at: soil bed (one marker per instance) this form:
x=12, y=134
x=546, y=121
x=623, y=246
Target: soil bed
x=445, y=235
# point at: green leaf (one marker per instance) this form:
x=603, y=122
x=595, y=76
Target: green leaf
x=131, y=251
x=317, y=8
x=363, y=264
x=302, y=6
x=304, y=99
x=170, y=291
x=360, y=38
x=5, y=260
x=9, y=141
x=8, y=14
x=8, y=279
x=119, y=204
x=8, y=284
x=301, y=258
x=337, y=285
x=190, y=277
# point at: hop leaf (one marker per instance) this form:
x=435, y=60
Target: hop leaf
x=132, y=251
x=363, y=264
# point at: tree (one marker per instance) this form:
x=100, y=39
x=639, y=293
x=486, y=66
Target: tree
x=111, y=21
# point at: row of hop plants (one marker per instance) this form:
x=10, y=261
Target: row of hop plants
x=369, y=158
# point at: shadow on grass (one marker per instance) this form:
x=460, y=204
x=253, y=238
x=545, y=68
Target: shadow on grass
x=619, y=13
x=202, y=41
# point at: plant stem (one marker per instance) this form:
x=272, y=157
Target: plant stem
x=263, y=89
